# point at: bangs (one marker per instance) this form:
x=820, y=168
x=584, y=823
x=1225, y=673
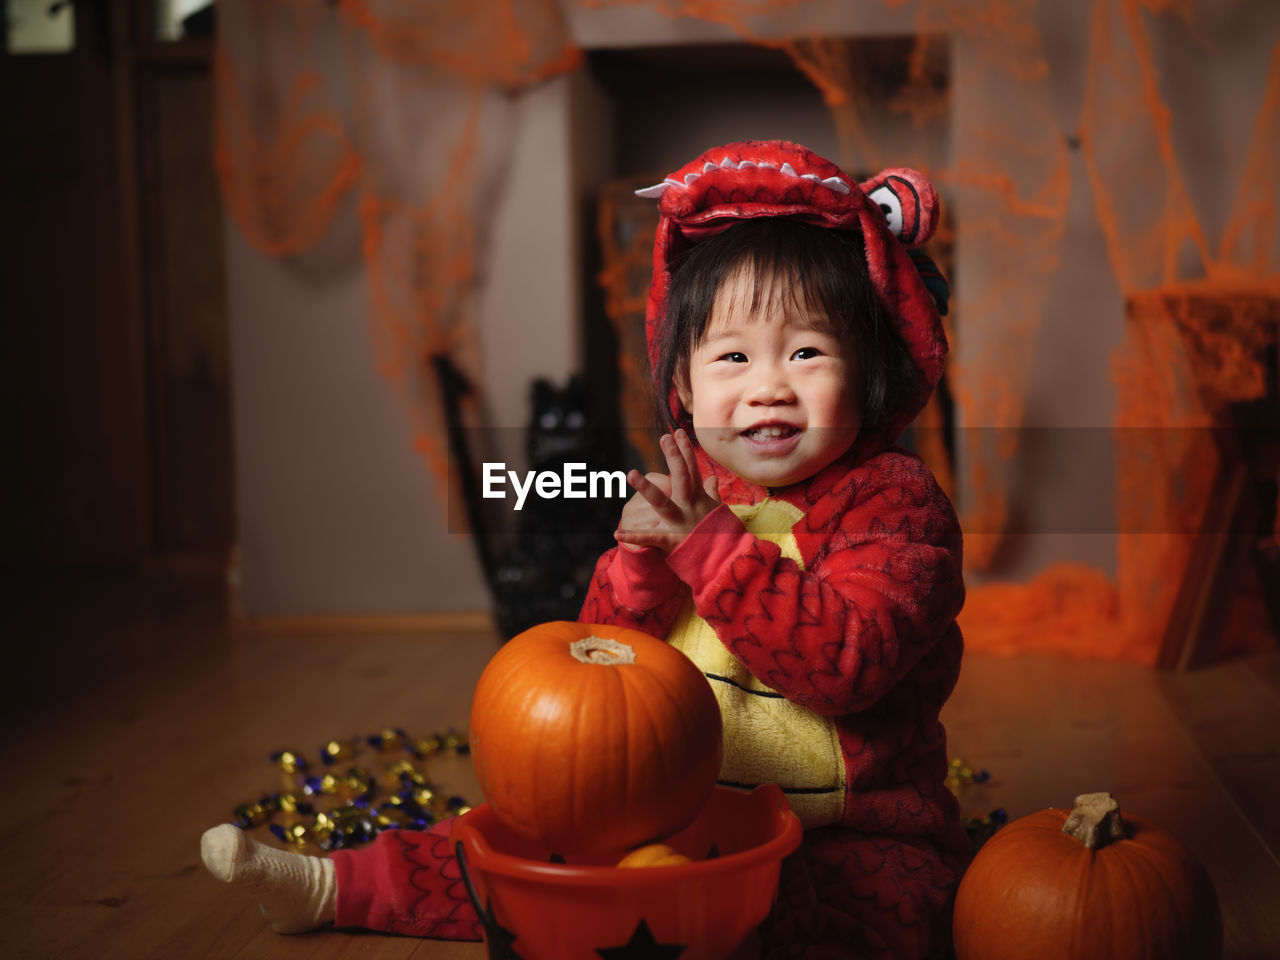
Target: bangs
x=796, y=273
x=781, y=289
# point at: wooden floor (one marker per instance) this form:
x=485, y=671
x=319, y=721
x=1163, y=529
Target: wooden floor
x=135, y=719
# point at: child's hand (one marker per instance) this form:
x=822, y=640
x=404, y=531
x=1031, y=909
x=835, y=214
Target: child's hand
x=665, y=508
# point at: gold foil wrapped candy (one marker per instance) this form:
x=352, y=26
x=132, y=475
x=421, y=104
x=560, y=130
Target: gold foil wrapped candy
x=340, y=808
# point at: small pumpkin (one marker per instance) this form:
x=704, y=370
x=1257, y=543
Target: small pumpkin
x=1086, y=884
x=594, y=739
x=653, y=855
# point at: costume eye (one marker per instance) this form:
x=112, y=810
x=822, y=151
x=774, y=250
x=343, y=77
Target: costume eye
x=891, y=206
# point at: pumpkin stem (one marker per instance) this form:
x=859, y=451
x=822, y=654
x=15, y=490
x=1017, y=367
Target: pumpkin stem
x=1095, y=820
x=602, y=650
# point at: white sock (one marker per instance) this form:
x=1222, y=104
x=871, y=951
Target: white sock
x=295, y=892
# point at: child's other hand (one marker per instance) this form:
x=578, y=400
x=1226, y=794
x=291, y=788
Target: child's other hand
x=665, y=508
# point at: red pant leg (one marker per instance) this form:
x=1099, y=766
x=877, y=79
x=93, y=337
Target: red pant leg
x=406, y=882
x=851, y=896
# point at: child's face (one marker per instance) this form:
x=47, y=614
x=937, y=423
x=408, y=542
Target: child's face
x=775, y=396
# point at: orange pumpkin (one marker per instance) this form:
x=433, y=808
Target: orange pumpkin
x=653, y=855
x=1086, y=884
x=594, y=739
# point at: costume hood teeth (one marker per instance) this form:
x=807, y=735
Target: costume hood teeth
x=728, y=163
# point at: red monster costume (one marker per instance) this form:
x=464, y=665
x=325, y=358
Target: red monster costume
x=822, y=613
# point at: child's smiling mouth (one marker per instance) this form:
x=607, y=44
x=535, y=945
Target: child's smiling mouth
x=772, y=438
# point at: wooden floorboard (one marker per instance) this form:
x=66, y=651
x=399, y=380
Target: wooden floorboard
x=136, y=718
x=1231, y=712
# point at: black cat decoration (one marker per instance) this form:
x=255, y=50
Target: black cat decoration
x=538, y=561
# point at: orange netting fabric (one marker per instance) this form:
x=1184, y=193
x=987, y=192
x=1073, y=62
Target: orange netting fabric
x=1201, y=335
x=402, y=104
x=400, y=107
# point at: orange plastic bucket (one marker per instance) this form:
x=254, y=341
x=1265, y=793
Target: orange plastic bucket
x=536, y=907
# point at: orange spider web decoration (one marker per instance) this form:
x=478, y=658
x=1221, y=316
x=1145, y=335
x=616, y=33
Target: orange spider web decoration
x=420, y=120
x=405, y=130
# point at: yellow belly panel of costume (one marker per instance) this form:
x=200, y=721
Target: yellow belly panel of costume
x=767, y=738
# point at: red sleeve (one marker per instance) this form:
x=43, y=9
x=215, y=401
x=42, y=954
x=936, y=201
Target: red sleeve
x=883, y=584
x=636, y=589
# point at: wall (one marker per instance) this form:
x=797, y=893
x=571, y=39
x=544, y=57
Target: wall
x=337, y=514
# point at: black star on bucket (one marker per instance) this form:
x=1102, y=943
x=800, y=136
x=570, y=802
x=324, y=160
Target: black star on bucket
x=642, y=946
x=497, y=938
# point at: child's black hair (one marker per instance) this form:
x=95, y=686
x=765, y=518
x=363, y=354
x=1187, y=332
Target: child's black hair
x=827, y=271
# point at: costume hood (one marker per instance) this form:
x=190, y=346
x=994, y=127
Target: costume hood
x=893, y=210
